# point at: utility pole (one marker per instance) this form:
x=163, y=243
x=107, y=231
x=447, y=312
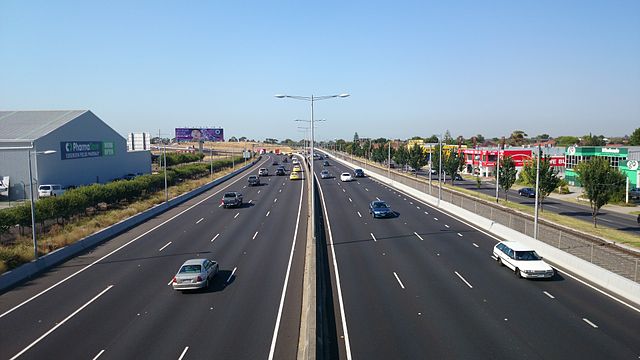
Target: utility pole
x=535, y=218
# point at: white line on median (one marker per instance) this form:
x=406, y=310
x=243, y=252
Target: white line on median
x=397, y=278
x=232, y=273
x=198, y=222
x=183, y=352
x=373, y=237
x=215, y=237
x=590, y=323
x=62, y=322
x=549, y=295
x=100, y=353
x=268, y=212
x=419, y=237
x=236, y=215
x=359, y=214
x=463, y=279
x=254, y=235
x=286, y=279
x=162, y=248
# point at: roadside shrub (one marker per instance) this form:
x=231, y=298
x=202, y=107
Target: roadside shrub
x=7, y=220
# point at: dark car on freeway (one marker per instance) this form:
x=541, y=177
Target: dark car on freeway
x=528, y=192
x=380, y=209
x=326, y=163
x=280, y=171
x=358, y=173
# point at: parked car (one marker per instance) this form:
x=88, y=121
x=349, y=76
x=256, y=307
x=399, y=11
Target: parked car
x=195, y=274
x=528, y=192
x=46, y=190
x=324, y=174
x=280, y=171
x=358, y=173
x=634, y=193
x=295, y=175
x=380, y=209
x=345, y=176
x=263, y=172
x=253, y=180
x=523, y=260
x=231, y=199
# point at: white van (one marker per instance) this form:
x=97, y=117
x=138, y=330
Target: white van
x=50, y=190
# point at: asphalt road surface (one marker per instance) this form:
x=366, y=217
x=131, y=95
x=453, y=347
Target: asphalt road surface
x=610, y=219
x=424, y=285
x=116, y=301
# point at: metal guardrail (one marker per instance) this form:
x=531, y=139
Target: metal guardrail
x=590, y=248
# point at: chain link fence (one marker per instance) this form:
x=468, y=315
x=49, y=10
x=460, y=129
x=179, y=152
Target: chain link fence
x=586, y=247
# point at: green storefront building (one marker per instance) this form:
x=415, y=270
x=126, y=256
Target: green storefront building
x=617, y=157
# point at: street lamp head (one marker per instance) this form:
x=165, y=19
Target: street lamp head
x=343, y=95
x=47, y=152
x=280, y=96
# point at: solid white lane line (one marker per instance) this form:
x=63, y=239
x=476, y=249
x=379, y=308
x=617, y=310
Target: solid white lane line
x=476, y=245
x=549, y=295
x=268, y=212
x=590, y=323
x=198, y=222
x=62, y=322
x=183, y=352
x=600, y=291
x=100, y=353
x=359, y=214
x=459, y=234
x=162, y=248
x=286, y=279
x=373, y=237
x=236, y=215
x=232, y=273
x=397, y=278
x=254, y=235
x=119, y=248
x=215, y=237
x=447, y=226
x=435, y=218
x=463, y=279
x=418, y=235
x=343, y=317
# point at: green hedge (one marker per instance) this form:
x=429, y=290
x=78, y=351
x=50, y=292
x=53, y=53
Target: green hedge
x=76, y=201
x=180, y=158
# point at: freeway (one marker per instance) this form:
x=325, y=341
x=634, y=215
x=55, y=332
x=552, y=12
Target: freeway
x=116, y=301
x=622, y=222
x=424, y=285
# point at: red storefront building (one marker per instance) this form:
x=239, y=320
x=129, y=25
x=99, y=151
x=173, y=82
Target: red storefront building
x=483, y=161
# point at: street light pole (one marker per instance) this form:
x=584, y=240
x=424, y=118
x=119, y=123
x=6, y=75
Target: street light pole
x=440, y=172
x=497, y=171
x=312, y=99
x=33, y=210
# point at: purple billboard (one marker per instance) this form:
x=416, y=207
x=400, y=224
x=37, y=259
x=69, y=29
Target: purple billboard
x=199, y=134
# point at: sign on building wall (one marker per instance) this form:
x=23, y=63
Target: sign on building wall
x=85, y=149
x=199, y=134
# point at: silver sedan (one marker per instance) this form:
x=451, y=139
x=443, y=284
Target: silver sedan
x=195, y=274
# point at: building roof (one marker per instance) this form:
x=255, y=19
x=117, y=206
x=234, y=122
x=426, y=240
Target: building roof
x=32, y=125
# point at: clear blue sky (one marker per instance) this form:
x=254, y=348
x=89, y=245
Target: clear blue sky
x=412, y=68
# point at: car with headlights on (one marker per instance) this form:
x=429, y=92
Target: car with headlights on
x=345, y=176
x=380, y=208
x=522, y=259
x=195, y=274
x=295, y=175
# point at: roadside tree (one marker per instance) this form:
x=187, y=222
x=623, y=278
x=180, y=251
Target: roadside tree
x=548, y=180
x=452, y=162
x=401, y=156
x=600, y=182
x=634, y=139
x=507, y=175
x=417, y=158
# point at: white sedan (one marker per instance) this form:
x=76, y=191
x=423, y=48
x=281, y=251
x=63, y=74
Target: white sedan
x=345, y=176
x=195, y=274
x=523, y=260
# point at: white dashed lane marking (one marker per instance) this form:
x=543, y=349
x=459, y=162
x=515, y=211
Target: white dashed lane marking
x=359, y=214
x=373, y=237
x=549, y=295
x=162, y=248
x=397, y=278
x=236, y=215
x=268, y=212
x=590, y=323
x=215, y=237
x=459, y=234
x=418, y=235
x=463, y=279
x=254, y=235
x=198, y=222
x=476, y=245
